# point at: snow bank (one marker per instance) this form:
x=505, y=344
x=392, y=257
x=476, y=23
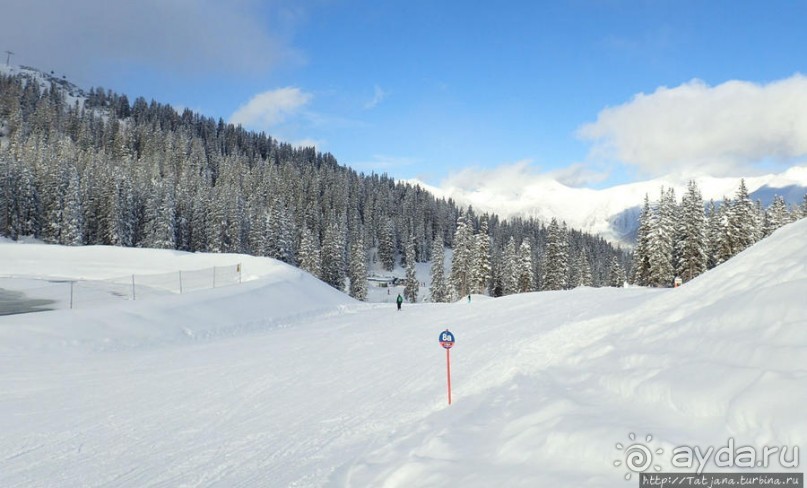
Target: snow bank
x=274, y=295
x=31, y=260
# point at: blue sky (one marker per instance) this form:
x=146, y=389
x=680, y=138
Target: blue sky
x=428, y=89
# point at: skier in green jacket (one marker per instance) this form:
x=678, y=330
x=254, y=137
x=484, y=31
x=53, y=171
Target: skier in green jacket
x=399, y=300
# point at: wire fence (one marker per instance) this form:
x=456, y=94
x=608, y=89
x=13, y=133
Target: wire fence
x=30, y=294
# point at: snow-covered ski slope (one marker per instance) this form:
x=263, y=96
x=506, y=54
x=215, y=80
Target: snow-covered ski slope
x=283, y=381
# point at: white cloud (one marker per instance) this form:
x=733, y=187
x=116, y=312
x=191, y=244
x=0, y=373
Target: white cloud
x=315, y=143
x=694, y=127
x=580, y=175
x=518, y=189
x=505, y=179
x=270, y=108
x=80, y=37
x=381, y=163
x=517, y=178
x=378, y=96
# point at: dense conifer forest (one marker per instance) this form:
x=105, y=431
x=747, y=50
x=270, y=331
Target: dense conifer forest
x=81, y=168
x=684, y=240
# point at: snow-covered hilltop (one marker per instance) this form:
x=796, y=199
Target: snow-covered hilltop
x=44, y=80
x=283, y=381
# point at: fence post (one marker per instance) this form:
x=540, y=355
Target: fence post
x=180, y=282
x=71, y=294
x=133, y=289
x=239, y=273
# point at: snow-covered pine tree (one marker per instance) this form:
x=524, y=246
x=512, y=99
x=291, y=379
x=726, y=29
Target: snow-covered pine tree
x=461, y=260
x=439, y=290
x=496, y=271
x=5, y=193
x=358, y=269
x=555, y=258
x=73, y=227
x=662, y=228
x=481, y=259
x=742, y=224
x=674, y=217
x=309, y=255
x=759, y=220
x=201, y=221
x=120, y=229
x=333, y=257
x=510, y=267
x=804, y=207
x=237, y=224
x=216, y=227
x=584, y=273
x=412, y=285
x=712, y=234
x=386, y=246
x=616, y=274
x=91, y=201
x=160, y=232
x=794, y=213
x=722, y=242
x=278, y=242
x=268, y=225
x=525, y=268
x=258, y=218
x=574, y=269
x=53, y=197
x=184, y=215
x=27, y=220
x=776, y=216
x=692, y=248
x=641, y=255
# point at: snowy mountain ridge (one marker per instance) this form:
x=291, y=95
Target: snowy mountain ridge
x=610, y=212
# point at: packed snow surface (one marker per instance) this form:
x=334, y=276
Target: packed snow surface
x=284, y=381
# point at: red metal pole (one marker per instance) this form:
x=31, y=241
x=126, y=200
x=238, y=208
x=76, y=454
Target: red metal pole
x=448, y=372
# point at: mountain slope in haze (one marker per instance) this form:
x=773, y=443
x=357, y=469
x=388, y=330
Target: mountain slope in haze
x=284, y=381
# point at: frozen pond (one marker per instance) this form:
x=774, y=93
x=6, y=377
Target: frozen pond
x=13, y=302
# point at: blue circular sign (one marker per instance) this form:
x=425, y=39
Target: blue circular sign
x=446, y=339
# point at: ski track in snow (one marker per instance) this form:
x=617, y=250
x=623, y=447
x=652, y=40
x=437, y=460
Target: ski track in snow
x=285, y=382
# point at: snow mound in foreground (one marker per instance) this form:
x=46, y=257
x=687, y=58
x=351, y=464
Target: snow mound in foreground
x=294, y=384
x=723, y=357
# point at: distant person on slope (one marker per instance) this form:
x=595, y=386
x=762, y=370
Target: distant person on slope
x=399, y=300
